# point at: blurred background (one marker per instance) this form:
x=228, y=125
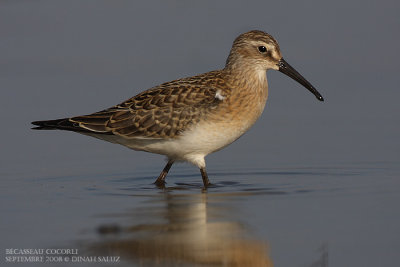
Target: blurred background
x=67, y=58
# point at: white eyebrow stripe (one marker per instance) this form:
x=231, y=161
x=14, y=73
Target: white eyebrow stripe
x=219, y=96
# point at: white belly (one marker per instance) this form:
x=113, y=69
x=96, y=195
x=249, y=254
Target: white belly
x=195, y=144
x=192, y=146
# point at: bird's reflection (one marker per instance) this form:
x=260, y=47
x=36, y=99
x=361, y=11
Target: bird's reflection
x=180, y=230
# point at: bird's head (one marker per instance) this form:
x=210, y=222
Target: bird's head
x=258, y=51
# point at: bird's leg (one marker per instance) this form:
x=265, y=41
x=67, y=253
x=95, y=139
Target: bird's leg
x=161, y=179
x=204, y=175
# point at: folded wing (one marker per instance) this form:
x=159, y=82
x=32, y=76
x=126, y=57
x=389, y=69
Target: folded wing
x=161, y=112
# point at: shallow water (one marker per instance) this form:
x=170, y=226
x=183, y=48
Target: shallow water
x=341, y=216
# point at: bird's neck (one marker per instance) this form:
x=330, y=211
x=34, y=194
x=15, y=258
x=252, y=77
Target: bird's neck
x=248, y=80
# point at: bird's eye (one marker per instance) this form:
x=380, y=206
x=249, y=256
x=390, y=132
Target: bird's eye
x=262, y=49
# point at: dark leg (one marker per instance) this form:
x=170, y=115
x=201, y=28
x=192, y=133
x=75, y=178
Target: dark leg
x=204, y=175
x=161, y=179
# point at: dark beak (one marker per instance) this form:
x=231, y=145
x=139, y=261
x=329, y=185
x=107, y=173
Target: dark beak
x=285, y=68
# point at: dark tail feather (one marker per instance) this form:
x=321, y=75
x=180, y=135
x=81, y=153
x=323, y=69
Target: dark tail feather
x=60, y=124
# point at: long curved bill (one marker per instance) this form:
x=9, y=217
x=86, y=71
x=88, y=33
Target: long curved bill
x=285, y=68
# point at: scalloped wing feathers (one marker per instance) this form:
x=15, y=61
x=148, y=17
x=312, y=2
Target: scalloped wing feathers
x=164, y=111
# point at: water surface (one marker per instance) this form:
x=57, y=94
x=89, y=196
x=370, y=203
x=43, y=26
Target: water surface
x=291, y=217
